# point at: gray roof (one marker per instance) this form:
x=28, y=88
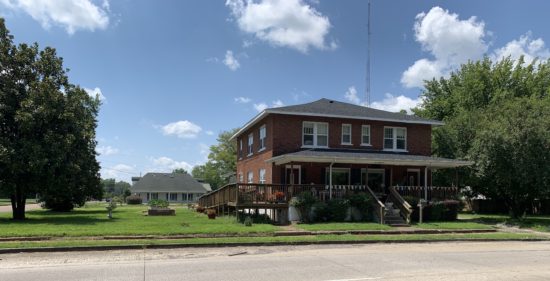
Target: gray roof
x=337, y=109
x=367, y=157
x=168, y=182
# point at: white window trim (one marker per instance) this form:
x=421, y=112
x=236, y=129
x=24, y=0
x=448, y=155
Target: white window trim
x=262, y=140
x=241, y=177
x=315, y=135
x=362, y=143
x=350, y=134
x=250, y=146
x=394, y=139
x=241, y=152
x=248, y=178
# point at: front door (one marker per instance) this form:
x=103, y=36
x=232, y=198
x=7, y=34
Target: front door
x=413, y=177
x=292, y=174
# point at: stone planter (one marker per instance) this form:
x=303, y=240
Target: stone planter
x=161, y=212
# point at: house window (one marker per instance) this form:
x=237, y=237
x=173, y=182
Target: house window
x=240, y=148
x=250, y=177
x=184, y=197
x=346, y=133
x=154, y=196
x=173, y=197
x=262, y=138
x=365, y=135
x=395, y=138
x=190, y=197
x=340, y=176
x=262, y=175
x=315, y=134
x=241, y=177
x=250, y=144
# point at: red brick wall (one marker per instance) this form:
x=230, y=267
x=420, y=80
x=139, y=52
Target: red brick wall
x=287, y=134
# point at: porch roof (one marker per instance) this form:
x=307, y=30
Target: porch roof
x=362, y=157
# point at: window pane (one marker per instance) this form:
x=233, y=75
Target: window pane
x=346, y=139
x=322, y=129
x=322, y=141
x=366, y=139
x=365, y=133
x=388, y=143
x=388, y=133
x=400, y=144
x=308, y=128
x=308, y=139
x=346, y=129
x=400, y=133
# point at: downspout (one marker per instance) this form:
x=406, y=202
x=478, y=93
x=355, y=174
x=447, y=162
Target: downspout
x=330, y=180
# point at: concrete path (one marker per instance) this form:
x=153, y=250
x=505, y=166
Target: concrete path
x=28, y=207
x=432, y=261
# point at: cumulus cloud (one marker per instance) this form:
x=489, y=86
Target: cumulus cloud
x=230, y=61
x=73, y=15
x=95, y=93
x=182, y=129
x=166, y=164
x=351, y=95
x=450, y=40
x=106, y=150
x=525, y=46
x=242, y=100
x=262, y=105
x=119, y=172
x=396, y=103
x=286, y=23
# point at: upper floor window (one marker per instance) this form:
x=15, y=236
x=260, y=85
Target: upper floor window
x=315, y=134
x=250, y=143
x=240, y=148
x=250, y=177
x=262, y=175
x=262, y=137
x=346, y=133
x=395, y=138
x=365, y=135
x=241, y=177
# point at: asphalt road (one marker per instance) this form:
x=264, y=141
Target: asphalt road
x=435, y=261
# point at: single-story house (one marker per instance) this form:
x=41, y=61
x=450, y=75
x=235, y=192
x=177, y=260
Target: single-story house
x=172, y=187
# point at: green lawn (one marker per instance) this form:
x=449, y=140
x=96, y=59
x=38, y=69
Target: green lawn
x=538, y=223
x=453, y=225
x=344, y=226
x=72, y=242
x=128, y=220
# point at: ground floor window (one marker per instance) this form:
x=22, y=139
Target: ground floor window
x=340, y=176
x=173, y=197
x=154, y=196
x=190, y=197
x=374, y=178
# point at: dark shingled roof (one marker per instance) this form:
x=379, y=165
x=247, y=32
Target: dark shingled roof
x=342, y=109
x=168, y=182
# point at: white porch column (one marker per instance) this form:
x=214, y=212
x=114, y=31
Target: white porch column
x=330, y=181
x=426, y=183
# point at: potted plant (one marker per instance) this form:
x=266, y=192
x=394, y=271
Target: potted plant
x=280, y=197
x=160, y=208
x=211, y=214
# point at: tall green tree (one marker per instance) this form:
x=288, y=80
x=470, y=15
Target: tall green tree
x=47, y=130
x=471, y=101
x=222, y=161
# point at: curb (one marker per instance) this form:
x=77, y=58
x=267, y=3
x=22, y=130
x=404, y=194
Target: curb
x=253, y=244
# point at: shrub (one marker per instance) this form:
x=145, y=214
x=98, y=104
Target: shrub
x=362, y=202
x=248, y=221
x=133, y=200
x=200, y=209
x=158, y=203
x=319, y=212
x=338, y=209
x=303, y=202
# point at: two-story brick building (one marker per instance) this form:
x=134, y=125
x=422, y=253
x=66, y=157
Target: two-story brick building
x=335, y=143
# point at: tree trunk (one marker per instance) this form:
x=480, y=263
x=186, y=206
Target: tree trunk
x=18, y=204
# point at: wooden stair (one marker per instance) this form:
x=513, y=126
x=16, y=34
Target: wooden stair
x=392, y=216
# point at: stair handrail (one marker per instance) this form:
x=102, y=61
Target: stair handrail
x=405, y=209
x=378, y=206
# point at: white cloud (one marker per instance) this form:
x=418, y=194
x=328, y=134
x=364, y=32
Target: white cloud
x=210, y=133
x=182, y=129
x=242, y=100
x=106, y=150
x=285, y=23
x=262, y=105
x=73, y=15
x=95, y=93
x=230, y=61
x=524, y=46
x=449, y=40
x=119, y=172
x=396, y=104
x=165, y=164
x=351, y=95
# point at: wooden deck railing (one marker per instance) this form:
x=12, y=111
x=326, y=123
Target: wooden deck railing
x=405, y=209
x=434, y=192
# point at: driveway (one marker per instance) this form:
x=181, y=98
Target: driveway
x=428, y=261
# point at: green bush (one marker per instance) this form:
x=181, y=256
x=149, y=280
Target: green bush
x=133, y=200
x=338, y=209
x=248, y=221
x=363, y=203
x=256, y=218
x=158, y=203
x=304, y=202
x=319, y=212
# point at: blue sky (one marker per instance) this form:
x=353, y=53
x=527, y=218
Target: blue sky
x=174, y=74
